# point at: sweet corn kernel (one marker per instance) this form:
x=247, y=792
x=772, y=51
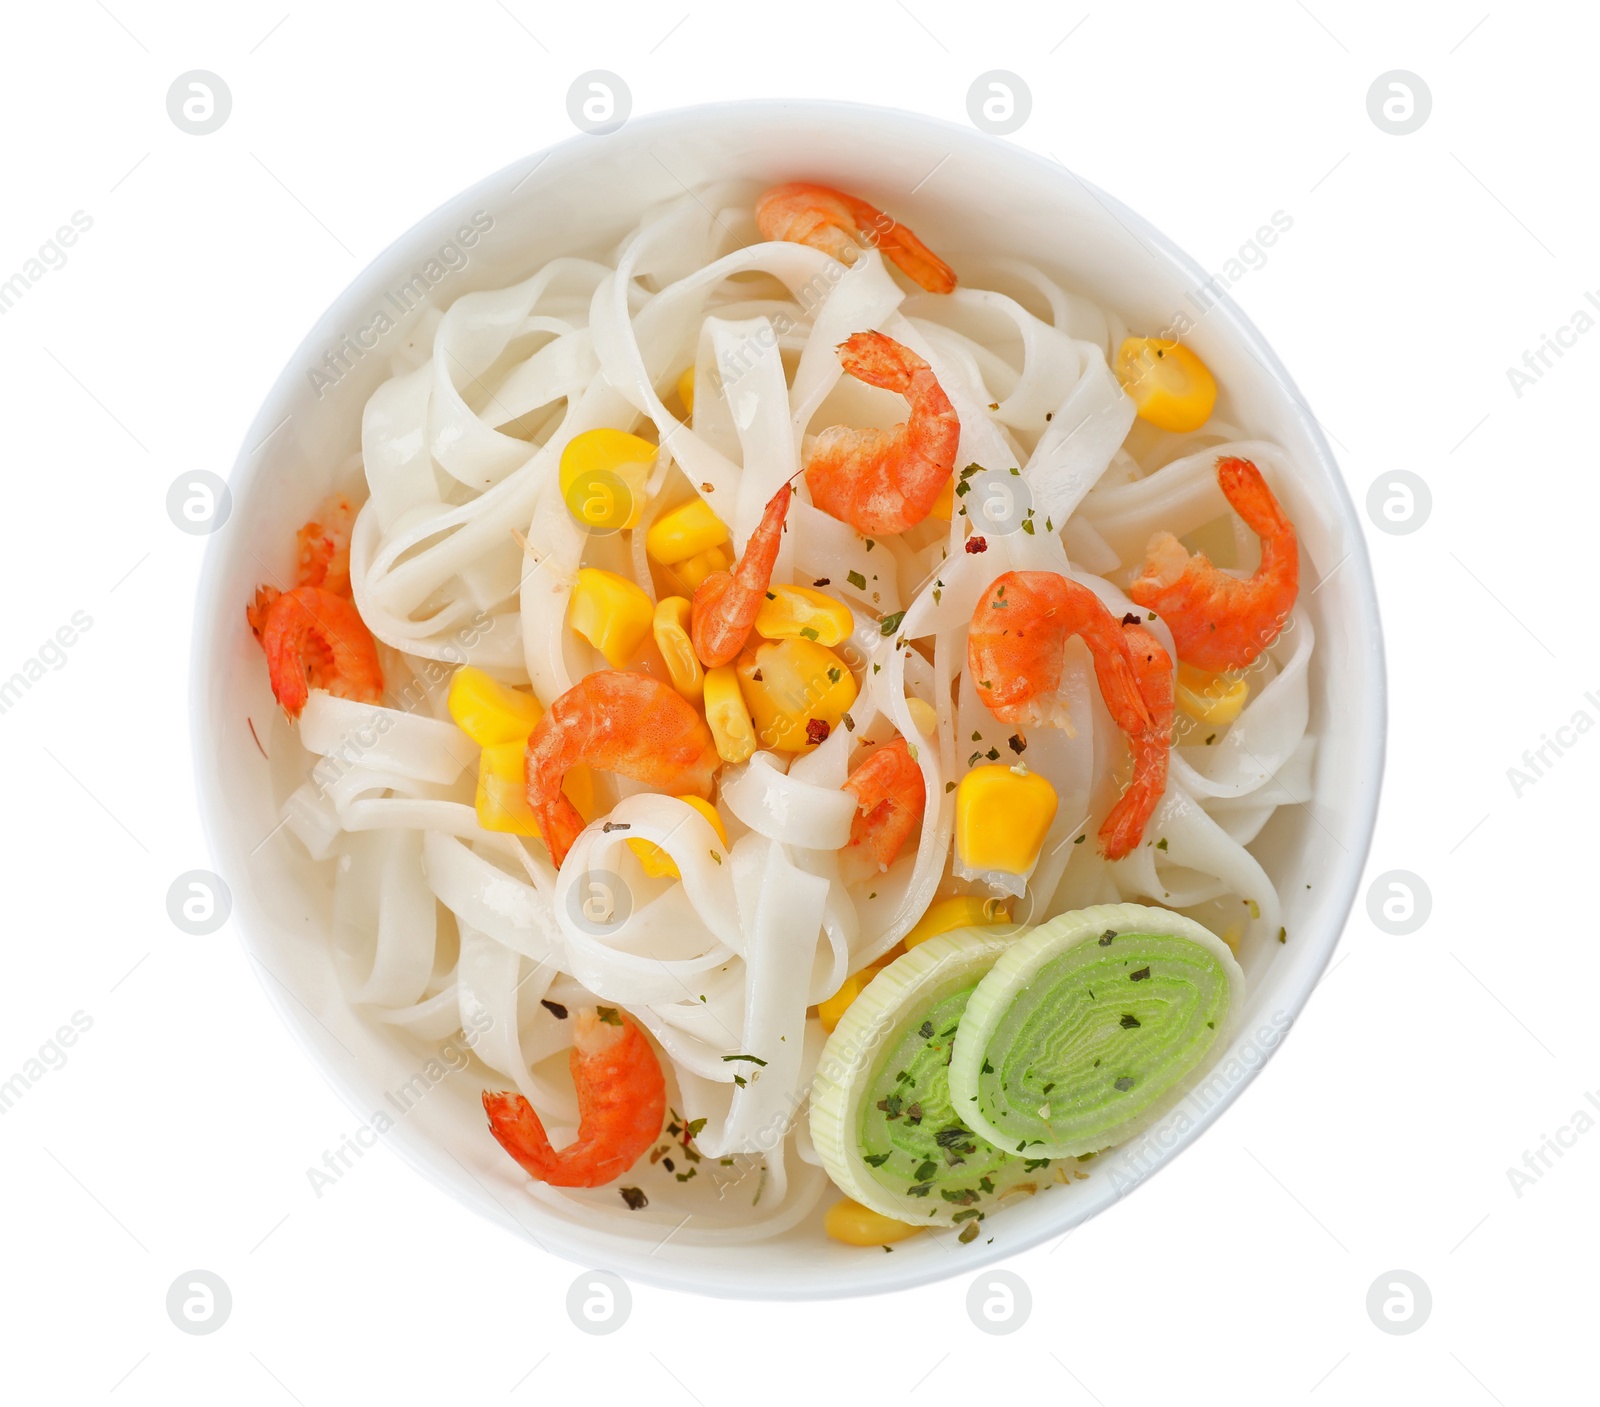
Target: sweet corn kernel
x=1001, y=819
x=611, y=613
x=797, y=691
x=945, y=504
x=671, y=629
x=603, y=475
x=1171, y=387
x=856, y=1225
x=658, y=864
x=684, y=531
x=686, y=390
x=963, y=911
x=832, y=1011
x=488, y=711
x=502, y=799
x=799, y=613
x=727, y=716
x=925, y=716
x=1210, y=698
x=693, y=570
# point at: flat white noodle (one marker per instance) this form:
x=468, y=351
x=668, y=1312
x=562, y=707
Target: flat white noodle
x=466, y=552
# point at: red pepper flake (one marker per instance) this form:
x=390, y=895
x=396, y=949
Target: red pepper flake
x=1132, y=618
x=816, y=730
x=977, y=544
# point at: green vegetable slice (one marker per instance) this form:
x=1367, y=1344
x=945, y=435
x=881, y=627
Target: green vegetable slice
x=1089, y=1029
x=881, y=1115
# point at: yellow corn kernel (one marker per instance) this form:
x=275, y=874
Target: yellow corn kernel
x=658, y=864
x=1210, y=698
x=856, y=1225
x=683, y=532
x=945, y=504
x=693, y=570
x=488, y=711
x=1171, y=387
x=502, y=799
x=686, y=390
x=799, y=613
x=603, y=475
x=727, y=716
x=793, y=687
x=611, y=613
x=670, y=626
x=925, y=716
x=963, y=911
x=1002, y=814
x=832, y=1011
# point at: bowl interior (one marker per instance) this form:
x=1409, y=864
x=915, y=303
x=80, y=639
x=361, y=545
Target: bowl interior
x=956, y=188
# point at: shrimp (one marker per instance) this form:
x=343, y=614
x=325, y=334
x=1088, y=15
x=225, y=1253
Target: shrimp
x=619, y=721
x=890, y=797
x=324, y=547
x=622, y=1100
x=830, y=220
x=725, y=604
x=1016, y=650
x=886, y=481
x=315, y=640
x=1124, y=825
x=1221, y=622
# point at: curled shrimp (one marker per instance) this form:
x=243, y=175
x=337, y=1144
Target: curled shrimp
x=725, y=604
x=313, y=635
x=619, y=721
x=830, y=220
x=890, y=796
x=1222, y=622
x=315, y=639
x=1016, y=650
x=885, y=481
x=622, y=1100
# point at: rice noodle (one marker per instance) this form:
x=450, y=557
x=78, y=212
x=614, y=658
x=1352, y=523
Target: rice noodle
x=465, y=552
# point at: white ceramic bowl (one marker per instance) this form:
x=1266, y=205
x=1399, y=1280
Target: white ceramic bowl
x=982, y=192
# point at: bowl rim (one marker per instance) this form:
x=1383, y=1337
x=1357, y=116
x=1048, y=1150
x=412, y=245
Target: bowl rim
x=1369, y=695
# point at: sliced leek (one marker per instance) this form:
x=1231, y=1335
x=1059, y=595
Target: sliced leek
x=881, y=1116
x=1090, y=1028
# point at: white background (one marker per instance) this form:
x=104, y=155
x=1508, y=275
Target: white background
x=1418, y=269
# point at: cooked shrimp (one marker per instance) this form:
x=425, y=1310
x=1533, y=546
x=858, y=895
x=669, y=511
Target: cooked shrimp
x=830, y=220
x=890, y=796
x=622, y=1100
x=618, y=721
x=885, y=481
x=315, y=640
x=725, y=604
x=1016, y=650
x=324, y=547
x=1222, y=622
x=1124, y=825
